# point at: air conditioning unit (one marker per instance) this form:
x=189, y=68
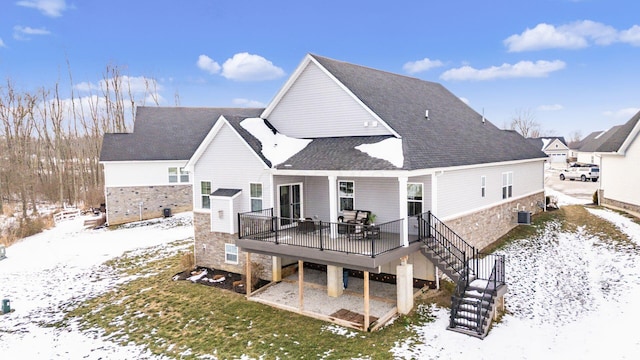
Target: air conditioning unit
x=524, y=217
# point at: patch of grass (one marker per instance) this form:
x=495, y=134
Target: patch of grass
x=171, y=317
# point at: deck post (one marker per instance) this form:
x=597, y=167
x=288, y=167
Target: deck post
x=300, y=285
x=366, y=300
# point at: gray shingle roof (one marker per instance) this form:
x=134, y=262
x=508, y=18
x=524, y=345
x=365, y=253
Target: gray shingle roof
x=454, y=135
x=612, y=139
x=538, y=141
x=225, y=192
x=166, y=133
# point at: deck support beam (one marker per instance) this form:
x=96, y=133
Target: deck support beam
x=248, y=274
x=404, y=277
x=300, y=285
x=276, y=268
x=334, y=281
x=366, y=300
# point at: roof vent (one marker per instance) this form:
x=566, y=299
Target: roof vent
x=426, y=114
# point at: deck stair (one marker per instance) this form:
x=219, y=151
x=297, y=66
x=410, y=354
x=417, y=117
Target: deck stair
x=479, y=278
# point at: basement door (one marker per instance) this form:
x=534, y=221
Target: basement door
x=290, y=203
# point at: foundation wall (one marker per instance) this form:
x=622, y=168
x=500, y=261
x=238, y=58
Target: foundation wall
x=484, y=227
x=133, y=203
x=210, y=246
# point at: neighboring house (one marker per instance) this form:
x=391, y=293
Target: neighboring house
x=588, y=150
x=555, y=147
x=620, y=173
x=272, y=187
x=144, y=170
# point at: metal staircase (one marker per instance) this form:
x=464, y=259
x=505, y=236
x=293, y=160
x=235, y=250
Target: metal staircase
x=479, y=278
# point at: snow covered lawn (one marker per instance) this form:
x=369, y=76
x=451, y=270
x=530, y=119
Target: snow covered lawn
x=61, y=266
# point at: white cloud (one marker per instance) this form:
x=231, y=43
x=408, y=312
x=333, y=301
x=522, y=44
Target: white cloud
x=552, y=107
x=2, y=43
x=249, y=67
x=576, y=35
x=51, y=8
x=465, y=100
x=624, y=114
x=631, y=36
x=413, y=67
x=522, y=69
x=208, y=64
x=24, y=32
x=248, y=103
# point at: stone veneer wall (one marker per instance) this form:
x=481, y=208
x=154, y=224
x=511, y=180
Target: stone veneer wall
x=209, y=249
x=483, y=228
x=123, y=202
x=617, y=204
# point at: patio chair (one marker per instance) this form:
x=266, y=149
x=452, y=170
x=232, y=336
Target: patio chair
x=352, y=222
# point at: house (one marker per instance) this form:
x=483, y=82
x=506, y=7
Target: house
x=144, y=171
x=587, y=150
x=555, y=147
x=340, y=141
x=620, y=173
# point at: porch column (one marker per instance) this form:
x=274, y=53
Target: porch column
x=334, y=281
x=333, y=204
x=276, y=268
x=402, y=191
x=300, y=285
x=366, y=301
x=404, y=287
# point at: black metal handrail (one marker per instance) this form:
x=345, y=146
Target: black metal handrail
x=345, y=237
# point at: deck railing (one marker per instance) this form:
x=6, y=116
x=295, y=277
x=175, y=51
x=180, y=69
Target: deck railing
x=368, y=240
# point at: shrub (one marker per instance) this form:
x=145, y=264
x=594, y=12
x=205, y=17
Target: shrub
x=594, y=198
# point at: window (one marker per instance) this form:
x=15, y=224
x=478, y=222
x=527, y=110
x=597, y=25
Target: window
x=205, y=191
x=507, y=185
x=483, y=185
x=173, y=175
x=346, y=196
x=230, y=253
x=184, y=175
x=414, y=199
x=256, y=196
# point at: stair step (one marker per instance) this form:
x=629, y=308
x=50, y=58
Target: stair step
x=471, y=316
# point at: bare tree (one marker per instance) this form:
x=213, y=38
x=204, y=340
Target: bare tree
x=524, y=122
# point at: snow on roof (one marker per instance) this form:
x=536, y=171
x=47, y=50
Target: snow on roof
x=545, y=143
x=388, y=149
x=277, y=148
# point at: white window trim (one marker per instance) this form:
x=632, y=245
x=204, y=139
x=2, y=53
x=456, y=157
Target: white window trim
x=483, y=186
x=227, y=253
x=251, y=198
x=415, y=201
x=179, y=172
x=508, y=185
x=347, y=197
x=201, y=194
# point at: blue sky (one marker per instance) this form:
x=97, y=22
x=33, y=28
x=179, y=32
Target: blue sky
x=571, y=65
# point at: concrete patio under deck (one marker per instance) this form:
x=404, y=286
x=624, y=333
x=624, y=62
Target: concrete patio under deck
x=318, y=304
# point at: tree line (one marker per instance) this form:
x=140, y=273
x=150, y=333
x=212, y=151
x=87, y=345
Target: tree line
x=50, y=143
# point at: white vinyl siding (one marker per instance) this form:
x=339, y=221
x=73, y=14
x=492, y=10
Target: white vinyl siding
x=139, y=173
x=316, y=106
x=620, y=175
x=230, y=164
x=458, y=190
